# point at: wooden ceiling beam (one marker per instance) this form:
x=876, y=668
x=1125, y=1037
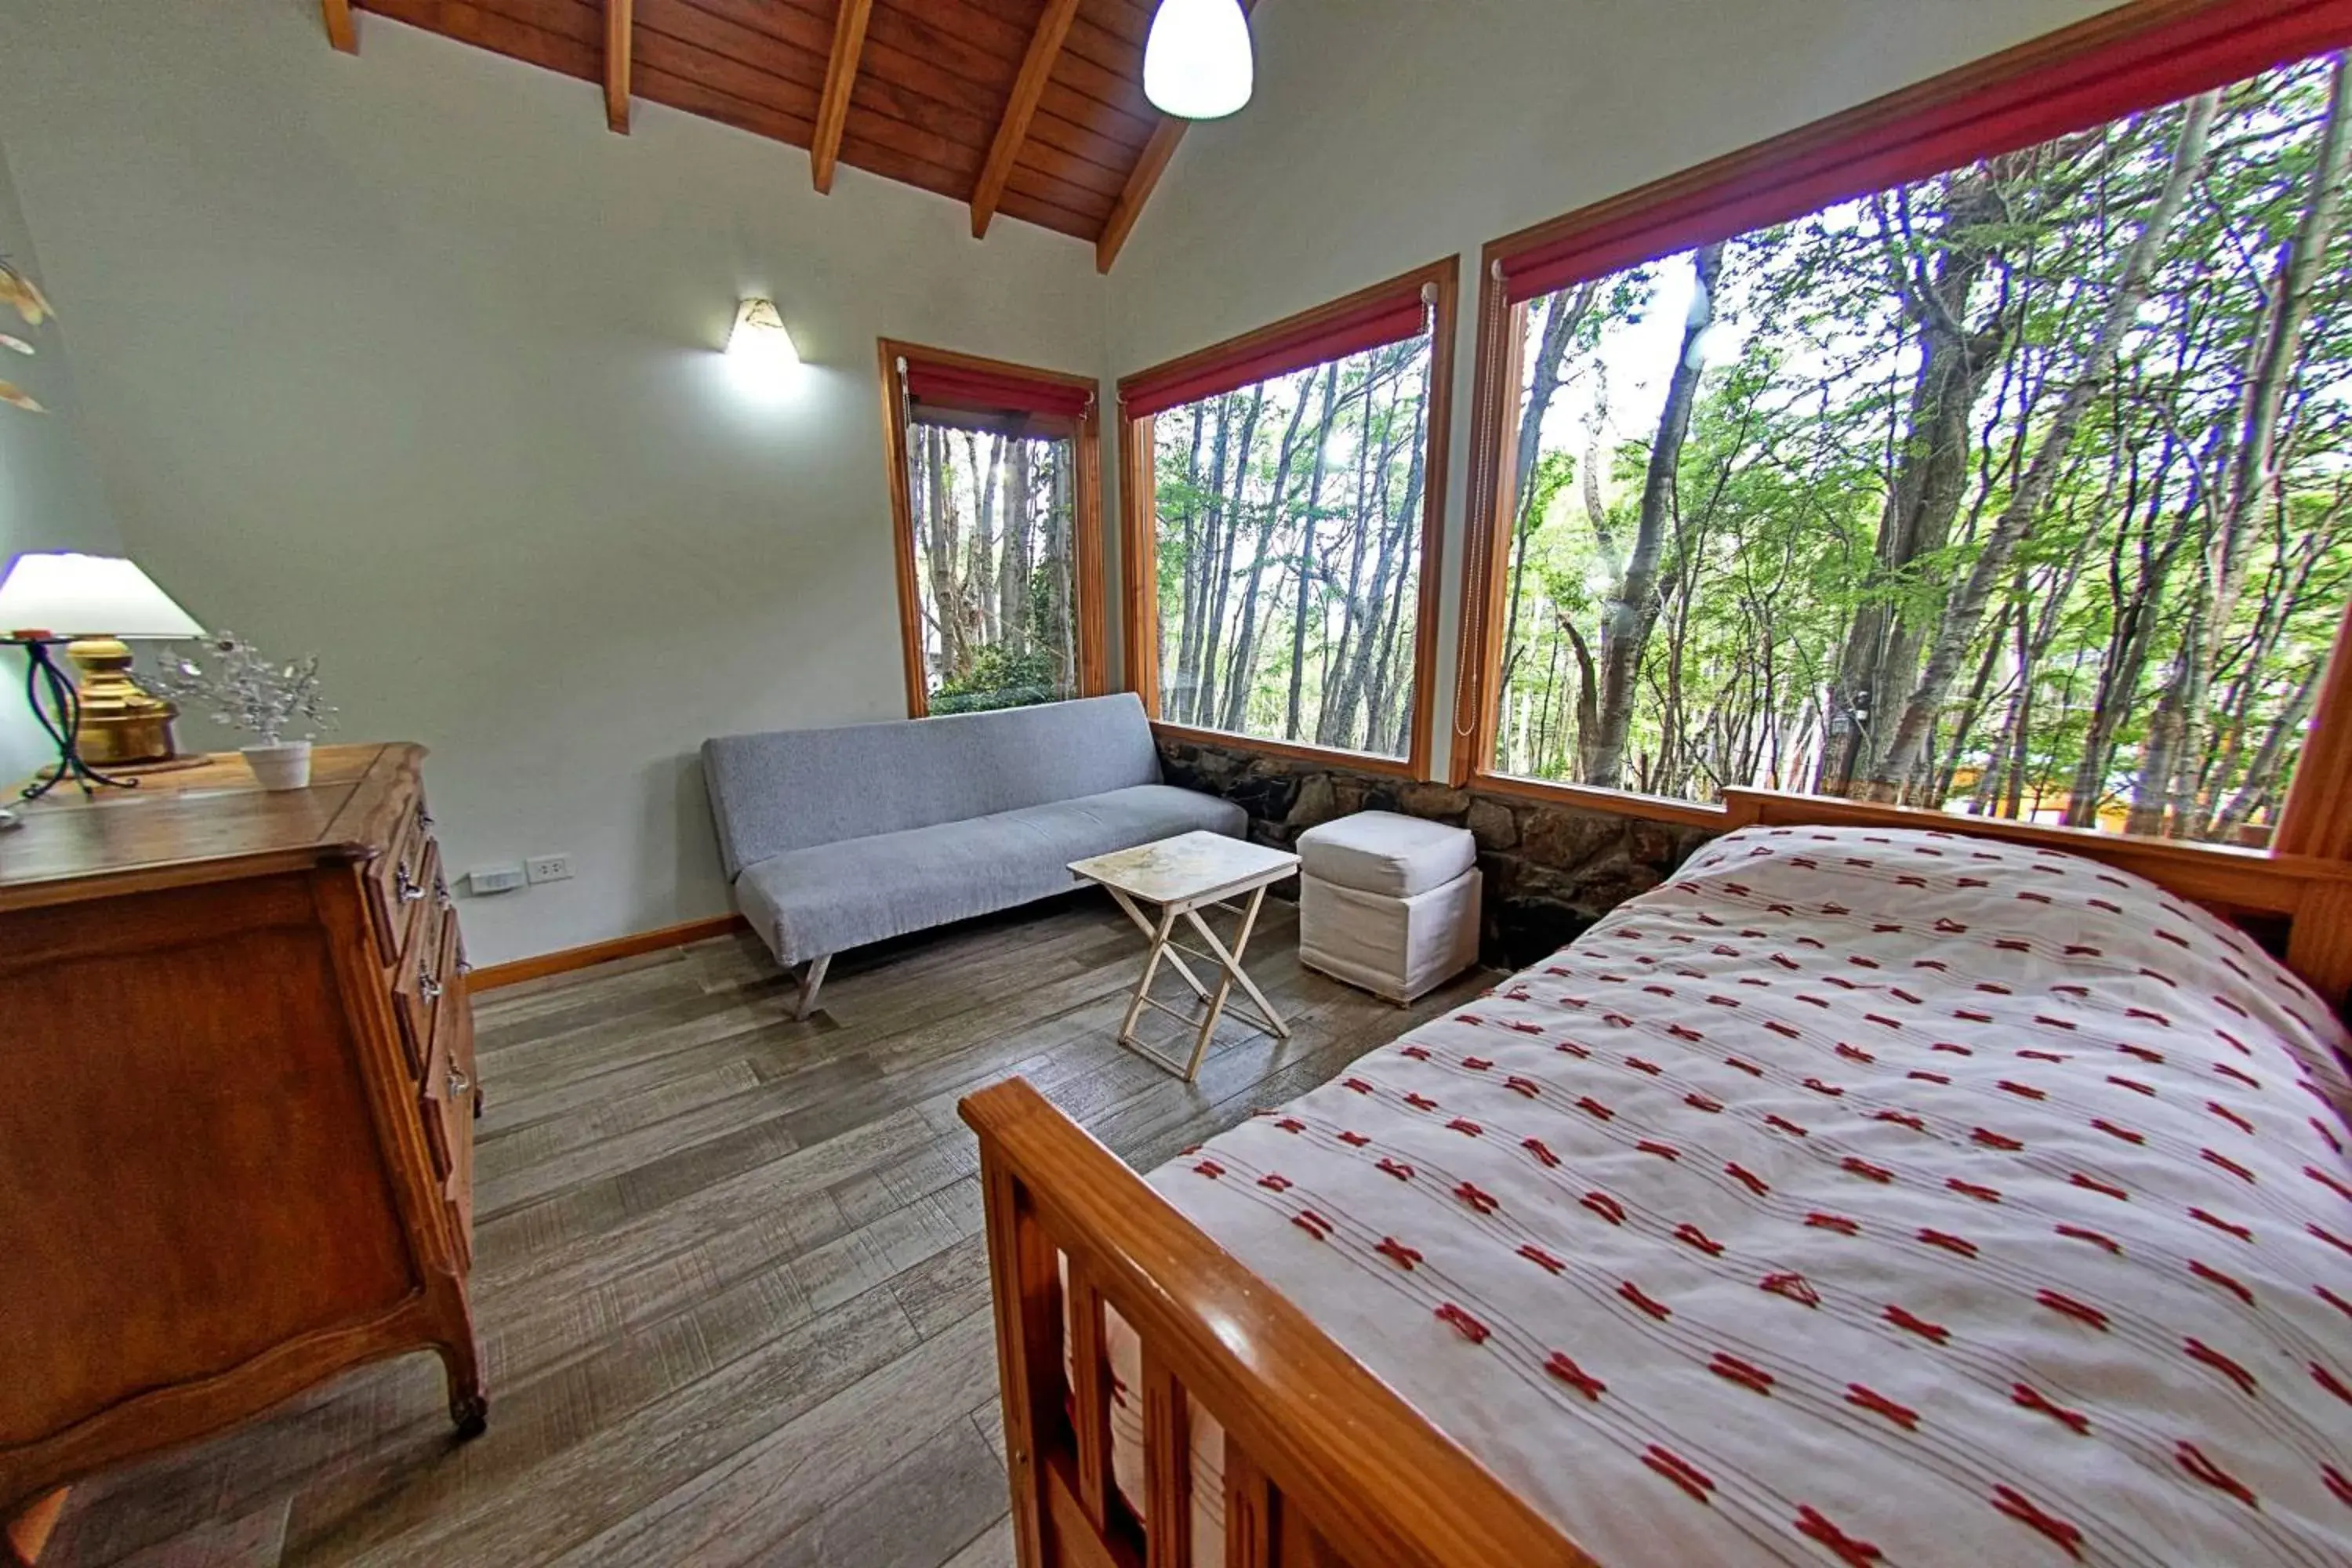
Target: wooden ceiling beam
x=1012, y=130
x=1149, y=167
x=840, y=75
x=339, y=29
x=617, y=36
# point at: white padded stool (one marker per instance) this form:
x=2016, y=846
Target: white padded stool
x=1388, y=904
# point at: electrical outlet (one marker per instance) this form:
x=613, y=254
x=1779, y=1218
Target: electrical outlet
x=548, y=868
x=484, y=880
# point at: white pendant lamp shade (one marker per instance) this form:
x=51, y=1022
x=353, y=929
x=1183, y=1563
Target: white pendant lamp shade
x=88, y=596
x=1196, y=61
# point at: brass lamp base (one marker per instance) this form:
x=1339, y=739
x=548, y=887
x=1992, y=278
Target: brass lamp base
x=121, y=725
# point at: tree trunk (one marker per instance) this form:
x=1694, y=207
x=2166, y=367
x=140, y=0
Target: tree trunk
x=1213, y=631
x=1567, y=312
x=1012, y=611
x=1930, y=476
x=1201, y=544
x=2254, y=473
x=1963, y=611
x=1634, y=609
x=1361, y=531
x=2261, y=781
x=1309, y=529
x=1241, y=671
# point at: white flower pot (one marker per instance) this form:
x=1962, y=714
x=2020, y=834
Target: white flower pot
x=283, y=766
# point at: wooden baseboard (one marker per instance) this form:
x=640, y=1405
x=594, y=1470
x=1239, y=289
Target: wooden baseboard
x=491, y=976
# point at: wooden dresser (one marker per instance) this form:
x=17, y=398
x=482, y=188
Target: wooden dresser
x=236, y=1106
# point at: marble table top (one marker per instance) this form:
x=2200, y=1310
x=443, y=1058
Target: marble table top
x=1191, y=868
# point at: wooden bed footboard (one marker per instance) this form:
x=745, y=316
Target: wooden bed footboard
x=1324, y=1465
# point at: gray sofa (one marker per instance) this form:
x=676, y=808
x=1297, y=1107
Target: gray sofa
x=838, y=838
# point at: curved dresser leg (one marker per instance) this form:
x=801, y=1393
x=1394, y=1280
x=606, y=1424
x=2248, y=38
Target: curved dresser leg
x=470, y=1402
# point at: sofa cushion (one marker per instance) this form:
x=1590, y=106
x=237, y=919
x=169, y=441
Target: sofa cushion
x=834, y=896
x=790, y=789
x=1384, y=853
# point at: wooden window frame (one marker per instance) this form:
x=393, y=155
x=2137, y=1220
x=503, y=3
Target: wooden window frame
x=2119, y=61
x=1139, y=521
x=1085, y=512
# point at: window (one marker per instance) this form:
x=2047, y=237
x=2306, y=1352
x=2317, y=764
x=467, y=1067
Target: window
x=1996, y=458
x=1282, y=501
x=994, y=491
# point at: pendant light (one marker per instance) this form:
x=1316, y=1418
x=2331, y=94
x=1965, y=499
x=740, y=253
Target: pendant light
x=1196, y=61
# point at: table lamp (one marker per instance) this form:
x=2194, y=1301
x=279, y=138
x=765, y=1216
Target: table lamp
x=89, y=605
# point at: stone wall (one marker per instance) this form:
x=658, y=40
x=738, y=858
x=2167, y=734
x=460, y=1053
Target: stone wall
x=1550, y=870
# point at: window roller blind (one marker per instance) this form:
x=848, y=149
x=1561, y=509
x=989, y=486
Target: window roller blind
x=2203, y=51
x=986, y=392
x=1375, y=323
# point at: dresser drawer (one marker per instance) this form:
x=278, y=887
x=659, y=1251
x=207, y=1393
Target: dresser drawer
x=398, y=882
x=421, y=975
x=449, y=1099
x=447, y=1084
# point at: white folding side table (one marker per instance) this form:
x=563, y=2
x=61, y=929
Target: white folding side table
x=1183, y=875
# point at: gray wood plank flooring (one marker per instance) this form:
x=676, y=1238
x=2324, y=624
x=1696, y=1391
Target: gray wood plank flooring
x=729, y=1277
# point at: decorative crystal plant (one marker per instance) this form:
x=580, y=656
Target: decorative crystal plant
x=242, y=688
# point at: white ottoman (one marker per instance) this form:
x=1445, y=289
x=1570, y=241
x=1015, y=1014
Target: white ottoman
x=1386, y=903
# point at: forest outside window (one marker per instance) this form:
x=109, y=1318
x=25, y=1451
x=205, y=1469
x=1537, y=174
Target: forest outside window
x=1281, y=540
x=994, y=474
x=2021, y=490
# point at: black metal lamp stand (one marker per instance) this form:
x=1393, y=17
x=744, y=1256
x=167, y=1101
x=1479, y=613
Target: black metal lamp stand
x=55, y=703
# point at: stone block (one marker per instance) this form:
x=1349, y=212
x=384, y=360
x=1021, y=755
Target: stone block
x=1440, y=803
x=1562, y=839
x=1492, y=823
x=1317, y=802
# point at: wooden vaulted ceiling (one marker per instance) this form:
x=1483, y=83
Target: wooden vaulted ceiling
x=1032, y=110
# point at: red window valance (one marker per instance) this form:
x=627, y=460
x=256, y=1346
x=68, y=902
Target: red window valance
x=2198, y=52
x=1370, y=324
x=974, y=391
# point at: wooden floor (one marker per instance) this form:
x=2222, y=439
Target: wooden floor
x=729, y=1280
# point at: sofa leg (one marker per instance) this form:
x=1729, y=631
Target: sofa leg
x=811, y=977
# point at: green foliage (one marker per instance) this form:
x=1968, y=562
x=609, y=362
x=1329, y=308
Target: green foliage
x=993, y=567
x=999, y=678
x=2156, y=625
x=1287, y=552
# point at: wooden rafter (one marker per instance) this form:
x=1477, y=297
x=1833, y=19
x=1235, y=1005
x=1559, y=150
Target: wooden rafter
x=1138, y=190
x=616, y=65
x=840, y=75
x=340, y=30
x=1036, y=66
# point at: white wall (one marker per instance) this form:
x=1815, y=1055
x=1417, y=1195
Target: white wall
x=1388, y=134
x=406, y=359
x=49, y=495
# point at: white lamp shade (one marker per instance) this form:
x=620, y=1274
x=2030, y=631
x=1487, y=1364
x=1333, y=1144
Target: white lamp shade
x=1196, y=59
x=68, y=594
x=759, y=336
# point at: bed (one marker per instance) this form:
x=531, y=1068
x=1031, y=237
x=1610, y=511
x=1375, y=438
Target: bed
x=1864, y=1195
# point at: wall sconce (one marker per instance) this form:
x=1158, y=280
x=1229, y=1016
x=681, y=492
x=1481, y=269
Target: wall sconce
x=759, y=338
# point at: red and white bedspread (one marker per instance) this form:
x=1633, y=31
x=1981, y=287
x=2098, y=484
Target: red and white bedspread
x=1857, y=1196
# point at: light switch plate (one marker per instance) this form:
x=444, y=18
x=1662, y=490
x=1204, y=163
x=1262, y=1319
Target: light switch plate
x=493, y=880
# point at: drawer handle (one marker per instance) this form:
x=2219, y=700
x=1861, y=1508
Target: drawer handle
x=424, y=819
x=411, y=889
x=427, y=986
x=458, y=1082
x=441, y=892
